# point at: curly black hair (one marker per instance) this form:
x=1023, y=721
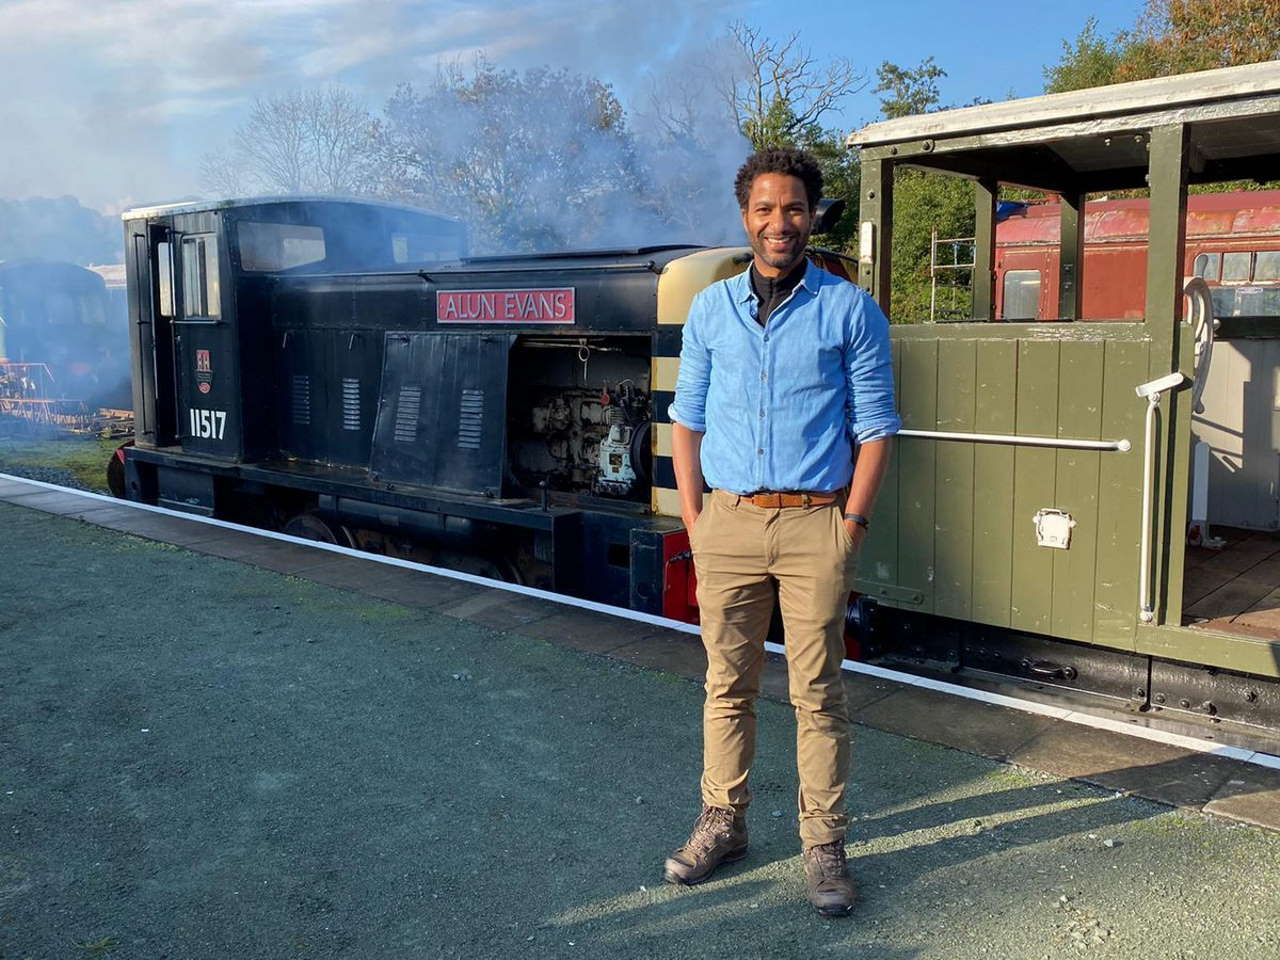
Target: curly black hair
x=793, y=163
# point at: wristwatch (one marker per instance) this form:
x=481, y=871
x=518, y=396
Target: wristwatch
x=859, y=519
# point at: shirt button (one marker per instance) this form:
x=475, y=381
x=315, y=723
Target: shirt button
x=762, y=411
x=760, y=453
x=766, y=338
x=764, y=376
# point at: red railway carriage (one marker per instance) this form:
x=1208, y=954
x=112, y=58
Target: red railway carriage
x=1233, y=242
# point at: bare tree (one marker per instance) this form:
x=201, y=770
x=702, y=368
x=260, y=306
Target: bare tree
x=778, y=91
x=272, y=143
x=313, y=141
x=223, y=174
x=342, y=141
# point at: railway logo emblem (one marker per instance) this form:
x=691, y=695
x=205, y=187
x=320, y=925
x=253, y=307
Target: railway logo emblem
x=204, y=371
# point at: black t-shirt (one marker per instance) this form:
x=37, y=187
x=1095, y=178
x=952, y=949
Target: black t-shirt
x=771, y=291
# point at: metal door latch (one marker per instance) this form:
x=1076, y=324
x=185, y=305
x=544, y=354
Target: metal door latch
x=1053, y=528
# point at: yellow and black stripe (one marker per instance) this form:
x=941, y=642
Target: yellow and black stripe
x=680, y=282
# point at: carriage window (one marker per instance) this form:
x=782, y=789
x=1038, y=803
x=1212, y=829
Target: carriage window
x=1235, y=267
x=201, y=291
x=1021, y=294
x=1207, y=266
x=1267, y=265
x=278, y=246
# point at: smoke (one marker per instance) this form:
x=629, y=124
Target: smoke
x=56, y=312
x=578, y=126
x=543, y=160
x=66, y=317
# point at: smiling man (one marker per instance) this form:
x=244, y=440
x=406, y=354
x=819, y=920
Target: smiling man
x=784, y=406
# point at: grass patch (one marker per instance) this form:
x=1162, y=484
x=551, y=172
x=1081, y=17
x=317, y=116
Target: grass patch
x=75, y=461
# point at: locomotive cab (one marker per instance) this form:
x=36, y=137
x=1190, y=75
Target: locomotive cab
x=201, y=282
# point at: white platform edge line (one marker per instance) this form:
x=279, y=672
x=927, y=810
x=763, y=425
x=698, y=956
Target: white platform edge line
x=852, y=666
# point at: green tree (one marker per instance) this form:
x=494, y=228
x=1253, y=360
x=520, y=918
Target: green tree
x=1170, y=36
x=1090, y=61
x=908, y=91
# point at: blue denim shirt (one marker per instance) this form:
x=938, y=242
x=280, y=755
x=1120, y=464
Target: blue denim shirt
x=782, y=405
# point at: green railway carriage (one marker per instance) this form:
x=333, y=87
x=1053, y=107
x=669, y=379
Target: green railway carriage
x=1034, y=522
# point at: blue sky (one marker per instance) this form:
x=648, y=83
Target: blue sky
x=115, y=101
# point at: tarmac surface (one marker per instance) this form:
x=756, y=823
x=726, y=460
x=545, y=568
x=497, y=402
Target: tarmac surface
x=202, y=758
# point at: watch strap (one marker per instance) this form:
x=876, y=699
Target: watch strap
x=859, y=519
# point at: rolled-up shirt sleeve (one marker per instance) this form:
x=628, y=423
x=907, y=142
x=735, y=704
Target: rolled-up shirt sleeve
x=689, y=409
x=869, y=371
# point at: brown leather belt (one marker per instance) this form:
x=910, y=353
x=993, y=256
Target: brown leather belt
x=771, y=499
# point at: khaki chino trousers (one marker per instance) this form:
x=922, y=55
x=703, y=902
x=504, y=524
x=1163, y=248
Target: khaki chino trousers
x=739, y=552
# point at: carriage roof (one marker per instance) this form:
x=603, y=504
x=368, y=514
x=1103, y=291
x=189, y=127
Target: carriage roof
x=1097, y=139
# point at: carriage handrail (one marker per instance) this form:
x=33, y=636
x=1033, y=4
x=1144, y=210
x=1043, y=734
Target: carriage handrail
x=1015, y=439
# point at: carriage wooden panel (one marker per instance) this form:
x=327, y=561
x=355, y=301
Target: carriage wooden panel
x=960, y=539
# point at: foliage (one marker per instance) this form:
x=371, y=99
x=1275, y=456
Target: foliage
x=908, y=91
x=1090, y=62
x=923, y=202
x=1179, y=36
x=1171, y=36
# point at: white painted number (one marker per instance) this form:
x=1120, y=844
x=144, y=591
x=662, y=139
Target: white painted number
x=208, y=423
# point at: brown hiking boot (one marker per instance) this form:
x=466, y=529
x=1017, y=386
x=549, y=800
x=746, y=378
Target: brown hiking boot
x=719, y=836
x=826, y=874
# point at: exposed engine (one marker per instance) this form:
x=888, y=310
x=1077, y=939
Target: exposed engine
x=592, y=440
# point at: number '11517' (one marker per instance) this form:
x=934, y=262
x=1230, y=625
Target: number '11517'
x=208, y=423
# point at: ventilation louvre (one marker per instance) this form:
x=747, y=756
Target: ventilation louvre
x=300, y=400
x=470, y=419
x=407, y=407
x=350, y=403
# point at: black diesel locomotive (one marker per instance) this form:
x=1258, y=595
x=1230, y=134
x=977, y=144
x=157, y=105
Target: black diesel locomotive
x=342, y=370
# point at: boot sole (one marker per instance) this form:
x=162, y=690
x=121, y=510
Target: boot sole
x=679, y=881
x=835, y=911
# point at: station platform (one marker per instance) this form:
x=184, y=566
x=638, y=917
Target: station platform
x=218, y=744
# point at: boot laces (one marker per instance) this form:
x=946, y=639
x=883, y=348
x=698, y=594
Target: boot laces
x=711, y=826
x=829, y=859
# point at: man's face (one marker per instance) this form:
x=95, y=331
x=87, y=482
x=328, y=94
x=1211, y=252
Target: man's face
x=778, y=222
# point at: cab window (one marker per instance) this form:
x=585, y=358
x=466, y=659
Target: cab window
x=201, y=291
x=268, y=247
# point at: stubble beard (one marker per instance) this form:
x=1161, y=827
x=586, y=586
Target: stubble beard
x=782, y=262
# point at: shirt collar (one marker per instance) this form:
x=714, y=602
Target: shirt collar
x=744, y=293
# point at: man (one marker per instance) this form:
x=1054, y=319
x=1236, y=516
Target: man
x=784, y=404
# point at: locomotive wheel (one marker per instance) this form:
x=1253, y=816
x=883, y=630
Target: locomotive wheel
x=312, y=526
x=495, y=568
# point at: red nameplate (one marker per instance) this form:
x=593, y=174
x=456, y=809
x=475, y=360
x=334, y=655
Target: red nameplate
x=505, y=306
